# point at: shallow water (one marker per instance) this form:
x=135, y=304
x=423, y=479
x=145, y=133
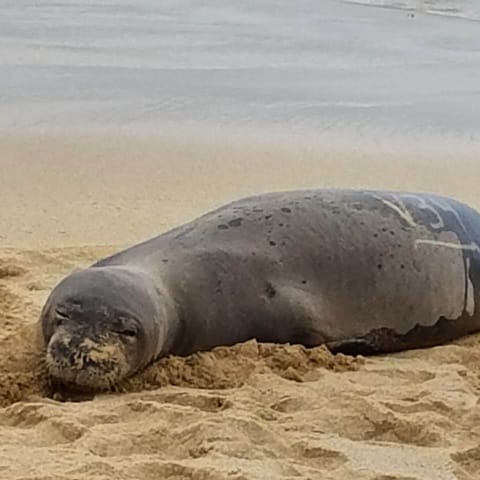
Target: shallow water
x=333, y=70
x=467, y=9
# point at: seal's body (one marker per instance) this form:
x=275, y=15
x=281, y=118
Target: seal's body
x=360, y=271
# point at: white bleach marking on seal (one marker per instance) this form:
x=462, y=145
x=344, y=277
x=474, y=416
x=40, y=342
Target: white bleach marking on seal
x=425, y=206
x=448, y=208
x=471, y=247
x=401, y=209
x=470, y=301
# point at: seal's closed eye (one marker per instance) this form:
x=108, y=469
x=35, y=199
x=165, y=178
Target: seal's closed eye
x=128, y=333
x=60, y=316
x=60, y=313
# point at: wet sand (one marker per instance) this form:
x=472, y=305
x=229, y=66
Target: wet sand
x=252, y=411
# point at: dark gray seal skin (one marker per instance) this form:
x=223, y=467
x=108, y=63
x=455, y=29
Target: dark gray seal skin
x=363, y=272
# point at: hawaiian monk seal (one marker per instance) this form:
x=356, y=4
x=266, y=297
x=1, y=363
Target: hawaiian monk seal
x=360, y=271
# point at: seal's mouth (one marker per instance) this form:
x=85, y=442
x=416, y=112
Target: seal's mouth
x=94, y=364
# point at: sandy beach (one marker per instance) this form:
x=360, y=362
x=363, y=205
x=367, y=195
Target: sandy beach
x=122, y=120
x=245, y=412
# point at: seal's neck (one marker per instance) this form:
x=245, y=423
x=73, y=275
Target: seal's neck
x=154, y=304
x=167, y=320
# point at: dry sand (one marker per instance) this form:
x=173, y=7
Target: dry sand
x=247, y=412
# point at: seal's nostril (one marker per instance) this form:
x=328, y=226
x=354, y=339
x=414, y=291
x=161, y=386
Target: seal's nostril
x=89, y=362
x=72, y=358
x=60, y=350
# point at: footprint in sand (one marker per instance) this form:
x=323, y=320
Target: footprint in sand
x=468, y=459
x=9, y=270
x=11, y=307
x=210, y=403
x=317, y=455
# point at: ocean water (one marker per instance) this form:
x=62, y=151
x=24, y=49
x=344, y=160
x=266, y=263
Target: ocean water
x=330, y=69
x=467, y=9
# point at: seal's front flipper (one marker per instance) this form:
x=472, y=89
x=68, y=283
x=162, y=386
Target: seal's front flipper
x=353, y=346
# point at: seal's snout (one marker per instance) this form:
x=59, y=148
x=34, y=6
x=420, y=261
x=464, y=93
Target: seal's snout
x=70, y=348
x=61, y=351
x=74, y=358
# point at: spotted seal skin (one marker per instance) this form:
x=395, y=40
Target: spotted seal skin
x=363, y=272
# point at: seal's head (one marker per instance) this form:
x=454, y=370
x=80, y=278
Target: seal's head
x=100, y=325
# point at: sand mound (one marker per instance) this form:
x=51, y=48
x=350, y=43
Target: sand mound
x=21, y=372
x=230, y=367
